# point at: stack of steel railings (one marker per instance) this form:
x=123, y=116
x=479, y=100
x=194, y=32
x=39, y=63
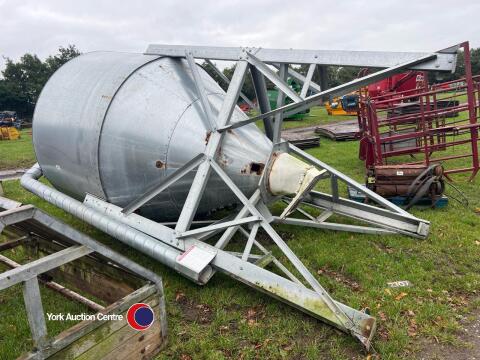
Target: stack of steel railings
x=343, y=130
x=303, y=137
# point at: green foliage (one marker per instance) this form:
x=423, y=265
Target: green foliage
x=336, y=75
x=23, y=80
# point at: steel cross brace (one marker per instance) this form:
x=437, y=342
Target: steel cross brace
x=227, y=81
x=313, y=86
x=308, y=80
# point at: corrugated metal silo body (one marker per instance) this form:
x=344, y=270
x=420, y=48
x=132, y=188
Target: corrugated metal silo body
x=106, y=122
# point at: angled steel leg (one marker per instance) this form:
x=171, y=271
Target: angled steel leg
x=202, y=94
x=280, y=83
x=277, y=130
x=308, y=80
x=343, y=318
x=358, y=324
x=169, y=180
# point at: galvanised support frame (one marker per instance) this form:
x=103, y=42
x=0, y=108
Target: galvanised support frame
x=173, y=247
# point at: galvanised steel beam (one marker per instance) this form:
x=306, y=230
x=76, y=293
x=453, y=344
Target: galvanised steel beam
x=443, y=61
x=349, y=181
x=332, y=226
x=260, y=88
x=384, y=218
x=250, y=240
x=359, y=324
x=222, y=225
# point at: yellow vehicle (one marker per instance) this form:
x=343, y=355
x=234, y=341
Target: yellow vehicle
x=8, y=131
x=343, y=105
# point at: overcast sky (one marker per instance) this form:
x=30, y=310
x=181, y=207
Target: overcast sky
x=40, y=27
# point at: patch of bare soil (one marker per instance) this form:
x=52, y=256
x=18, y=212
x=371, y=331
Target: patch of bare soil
x=192, y=311
x=469, y=335
x=340, y=277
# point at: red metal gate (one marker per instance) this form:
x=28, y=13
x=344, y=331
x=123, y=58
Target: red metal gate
x=413, y=126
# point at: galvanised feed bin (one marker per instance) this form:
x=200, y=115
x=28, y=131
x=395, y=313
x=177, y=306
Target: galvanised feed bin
x=112, y=124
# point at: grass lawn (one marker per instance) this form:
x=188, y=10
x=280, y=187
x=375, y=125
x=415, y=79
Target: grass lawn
x=227, y=320
x=17, y=153
x=317, y=116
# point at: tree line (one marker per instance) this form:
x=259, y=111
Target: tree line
x=24, y=79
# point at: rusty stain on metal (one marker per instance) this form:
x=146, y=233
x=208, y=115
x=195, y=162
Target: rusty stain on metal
x=207, y=137
x=257, y=168
x=160, y=164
